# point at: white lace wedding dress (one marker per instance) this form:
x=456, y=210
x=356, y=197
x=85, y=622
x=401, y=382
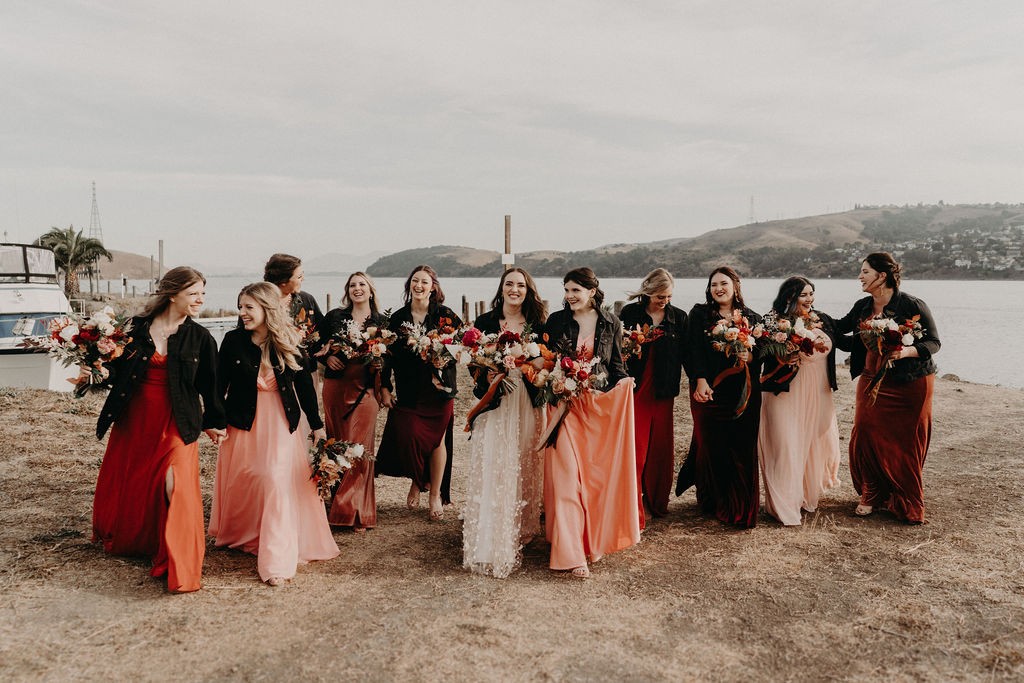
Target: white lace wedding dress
x=504, y=486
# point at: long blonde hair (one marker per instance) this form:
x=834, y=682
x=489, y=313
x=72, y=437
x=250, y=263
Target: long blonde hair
x=281, y=333
x=656, y=281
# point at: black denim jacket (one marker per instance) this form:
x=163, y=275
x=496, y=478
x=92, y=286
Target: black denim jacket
x=191, y=376
x=563, y=334
x=702, y=359
x=239, y=368
x=671, y=348
x=413, y=377
x=901, y=307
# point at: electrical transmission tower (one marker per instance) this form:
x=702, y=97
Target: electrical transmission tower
x=96, y=232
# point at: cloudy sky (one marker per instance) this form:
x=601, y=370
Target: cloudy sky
x=235, y=129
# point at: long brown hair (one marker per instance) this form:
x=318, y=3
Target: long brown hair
x=737, y=293
x=534, y=309
x=436, y=294
x=174, y=282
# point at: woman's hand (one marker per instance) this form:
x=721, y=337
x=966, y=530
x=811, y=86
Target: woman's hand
x=821, y=346
x=386, y=398
x=492, y=375
x=743, y=356
x=319, y=434
x=217, y=436
x=334, y=363
x=903, y=352
x=704, y=392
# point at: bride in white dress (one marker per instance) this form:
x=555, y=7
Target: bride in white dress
x=504, y=484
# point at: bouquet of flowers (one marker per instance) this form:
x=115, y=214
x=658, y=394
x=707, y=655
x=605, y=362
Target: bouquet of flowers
x=783, y=337
x=435, y=347
x=501, y=352
x=736, y=336
x=329, y=459
x=89, y=343
x=305, y=324
x=634, y=341
x=571, y=377
x=368, y=344
x=886, y=336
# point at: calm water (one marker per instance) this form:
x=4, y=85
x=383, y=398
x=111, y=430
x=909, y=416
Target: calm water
x=958, y=307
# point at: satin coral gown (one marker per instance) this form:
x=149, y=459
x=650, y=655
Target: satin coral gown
x=798, y=443
x=264, y=501
x=890, y=440
x=132, y=514
x=351, y=410
x=590, y=483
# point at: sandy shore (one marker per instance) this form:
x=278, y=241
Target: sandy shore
x=841, y=598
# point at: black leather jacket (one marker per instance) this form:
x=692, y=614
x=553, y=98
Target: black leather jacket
x=412, y=376
x=670, y=349
x=191, y=375
x=563, y=334
x=239, y=368
x=490, y=323
x=901, y=307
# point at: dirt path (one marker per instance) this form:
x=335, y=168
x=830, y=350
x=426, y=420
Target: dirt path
x=840, y=598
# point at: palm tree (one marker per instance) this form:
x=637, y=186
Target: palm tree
x=72, y=252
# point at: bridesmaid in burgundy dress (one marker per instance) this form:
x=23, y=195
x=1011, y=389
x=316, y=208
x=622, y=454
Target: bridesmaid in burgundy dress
x=350, y=405
x=657, y=371
x=891, y=432
x=417, y=440
x=726, y=408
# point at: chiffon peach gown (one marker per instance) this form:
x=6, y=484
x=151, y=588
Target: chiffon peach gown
x=350, y=411
x=798, y=442
x=264, y=501
x=590, y=483
x=132, y=514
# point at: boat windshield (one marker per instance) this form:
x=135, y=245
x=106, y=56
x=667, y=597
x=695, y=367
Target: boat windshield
x=26, y=263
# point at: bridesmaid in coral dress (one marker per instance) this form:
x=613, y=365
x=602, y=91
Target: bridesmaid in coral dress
x=350, y=405
x=264, y=501
x=590, y=498
x=658, y=371
x=798, y=444
x=148, y=501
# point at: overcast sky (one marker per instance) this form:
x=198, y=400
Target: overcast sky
x=236, y=129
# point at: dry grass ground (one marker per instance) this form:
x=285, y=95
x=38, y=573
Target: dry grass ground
x=841, y=598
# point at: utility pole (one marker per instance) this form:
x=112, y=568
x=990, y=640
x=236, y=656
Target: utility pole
x=508, y=259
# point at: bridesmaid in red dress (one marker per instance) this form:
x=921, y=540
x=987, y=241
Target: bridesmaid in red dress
x=350, y=406
x=590, y=499
x=891, y=432
x=148, y=501
x=658, y=372
x=264, y=501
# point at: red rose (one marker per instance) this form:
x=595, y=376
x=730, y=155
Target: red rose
x=566, y=363
x=582, y=375
x=472, y=336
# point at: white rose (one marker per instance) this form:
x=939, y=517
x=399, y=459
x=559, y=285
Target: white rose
x=532, y=350
x=907, y=340
x=891, y=324
x=356, y=450
x=371, y=330
x=570, y=384
x=68, y=332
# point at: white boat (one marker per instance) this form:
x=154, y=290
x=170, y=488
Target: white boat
x=30, y=297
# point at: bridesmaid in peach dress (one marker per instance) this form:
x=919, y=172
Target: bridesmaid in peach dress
x=798, y=443
x=350, y=406
x=264, y=501
x=590, y=483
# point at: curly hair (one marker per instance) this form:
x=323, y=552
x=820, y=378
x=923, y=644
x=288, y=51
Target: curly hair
x=534, y=309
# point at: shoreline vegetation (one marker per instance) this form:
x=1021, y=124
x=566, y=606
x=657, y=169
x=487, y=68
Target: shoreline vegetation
x=840, y=597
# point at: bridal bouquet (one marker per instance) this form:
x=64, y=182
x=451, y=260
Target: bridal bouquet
x=634, y=341
x=502, y=352
x=735, y=336
x=886, y=336
x=329, y=459
x=783, y=337
x=89, y=343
